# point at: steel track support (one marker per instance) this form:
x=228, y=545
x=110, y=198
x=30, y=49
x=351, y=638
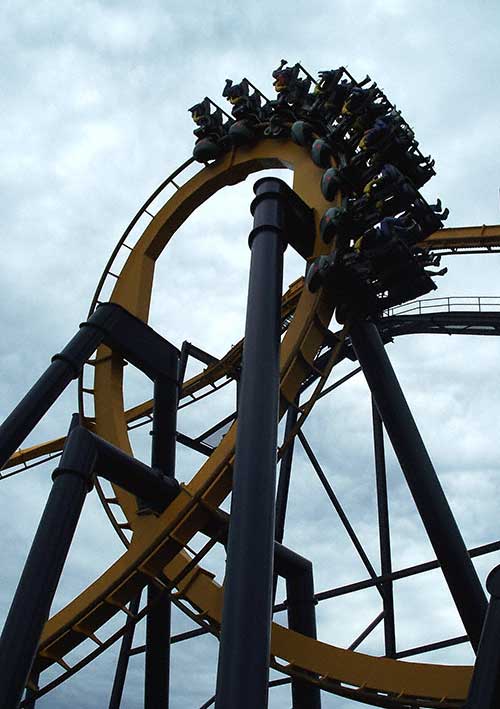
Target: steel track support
x=285, y=471
x=158, y=623
x=37, y=586
x=337, y=506
x=421, y=477
x=157, y=651
x=284, y=482
x=30, y=696
x=125, y=334
x=243, y=668
x=384, y=531
x=65, y=366
x=123, y=657
x=484, y=691
x=301, y=611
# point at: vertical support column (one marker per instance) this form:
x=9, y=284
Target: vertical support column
x=37, y=586
x=484, y=691
x=164, y=427
x=157, y=657
x=243, y=669
x=384, y=531
x=123, y=657
x=421, y=477
x=301, y=609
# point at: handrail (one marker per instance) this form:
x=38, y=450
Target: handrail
x=476, y=303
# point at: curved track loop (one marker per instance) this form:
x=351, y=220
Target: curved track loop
x=157, y=550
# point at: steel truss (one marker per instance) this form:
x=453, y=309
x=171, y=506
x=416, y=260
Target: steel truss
x=456, y=322
x=248, y=607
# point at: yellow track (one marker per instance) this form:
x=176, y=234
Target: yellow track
x=158, y=544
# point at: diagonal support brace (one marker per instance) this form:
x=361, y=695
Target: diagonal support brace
x=109, y=324
x=423, y=482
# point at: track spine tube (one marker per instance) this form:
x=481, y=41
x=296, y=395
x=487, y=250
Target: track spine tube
x=243, y=667
x=421, y=477
x=37, y=586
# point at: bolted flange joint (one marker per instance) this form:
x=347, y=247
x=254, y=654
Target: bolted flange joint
x=79, y=456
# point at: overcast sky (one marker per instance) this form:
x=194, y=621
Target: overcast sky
x=95, y=100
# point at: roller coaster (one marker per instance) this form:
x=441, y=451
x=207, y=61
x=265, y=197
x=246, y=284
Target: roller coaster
x=369, y=241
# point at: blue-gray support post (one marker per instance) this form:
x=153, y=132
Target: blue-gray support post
x=421, y=477
x=35, y=592
x=384, y=531
x=285, y=471
x=65, y=366
x=484, y=691
x=158, y=624
x=284, y=481
x=301, y=610
x=243, y=668
x=124, y=656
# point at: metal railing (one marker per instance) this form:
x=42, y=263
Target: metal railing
x=470, y=303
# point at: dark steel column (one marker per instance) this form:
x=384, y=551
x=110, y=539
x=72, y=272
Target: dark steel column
x=157, y=658
x=133, y=475
x=484, y=692
x=301, y=611
x=35, y=592
x=65, y=367
x=164, y=427
x=243, y=670
x=122, y=332
x=285, y=471
x=123, y=657
x=421, y=477
x=284, y=482
x=157, y=655
x=384, y=531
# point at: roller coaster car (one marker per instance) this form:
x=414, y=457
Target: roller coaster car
x=389, y=191
x=397, y=275
x=429, y=216
x=321, y=153
x=302, y=133
x=367, y=283
x=245, y=105
x=331, y=93
x=211, y=132
x=347, y=179
x=246, y=109
x=362, y=108
x=348, y=222
x=288, y=86
x=236, y=94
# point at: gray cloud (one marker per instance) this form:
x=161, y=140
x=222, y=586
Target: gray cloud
x=95, y=116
